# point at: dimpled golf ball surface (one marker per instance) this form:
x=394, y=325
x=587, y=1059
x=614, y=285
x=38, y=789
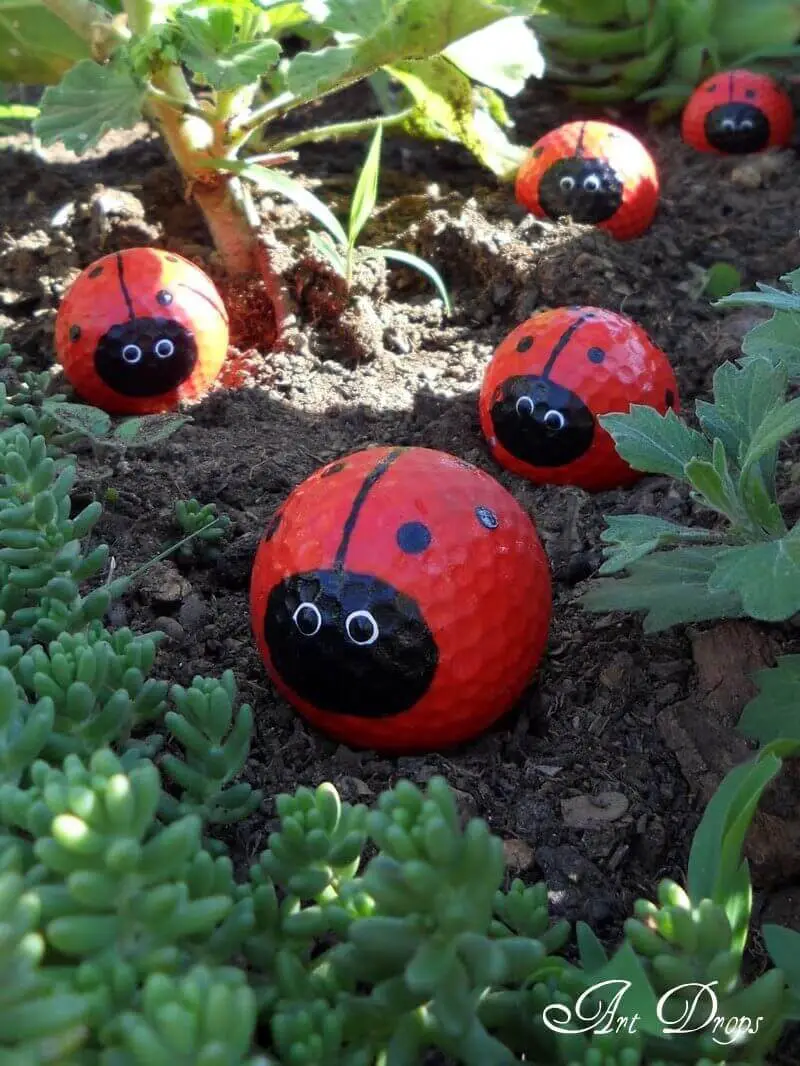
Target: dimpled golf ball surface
x=141, y=330
x=594, y=172
x=551, y=379
x=738, y=112
x=401, y=599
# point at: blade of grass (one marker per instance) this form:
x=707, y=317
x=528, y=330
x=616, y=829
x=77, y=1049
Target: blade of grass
x=407, y=259
x=365, y=195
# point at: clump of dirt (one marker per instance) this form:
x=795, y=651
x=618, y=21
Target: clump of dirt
x=394, y=369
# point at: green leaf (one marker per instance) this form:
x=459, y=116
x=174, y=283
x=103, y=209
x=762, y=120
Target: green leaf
x=275, y=181
x=36, y=46
x=670, y=587
x=503, y=56
x=767, y=296
x=311, y=74
x=17, y=112
x=634, y=536
x=323, y=244
x=743, y=397
x=655, y=443
x=208, y=47
x=81, y=418
x=713, y=482
x=591, y=952
x=720, y=280
x=776, y=339
x=639, y=998
x=89, y=101
x=365, y=194
x=148, y=429
x=766, y=577
x=407, y=259
x=723, y=827
x=783, y=946
x=775, y=712
x=777, y=426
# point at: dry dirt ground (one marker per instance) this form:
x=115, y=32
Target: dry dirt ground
x=646, y=720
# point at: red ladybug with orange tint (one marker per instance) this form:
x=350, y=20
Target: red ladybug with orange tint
x=737, y=113
x=594, y=172
x=552, y=378
x=140, y=330
x=401, y=599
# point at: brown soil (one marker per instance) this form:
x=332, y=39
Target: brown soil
x=604, y=716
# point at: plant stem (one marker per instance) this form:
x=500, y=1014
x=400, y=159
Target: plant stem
x=339, y=130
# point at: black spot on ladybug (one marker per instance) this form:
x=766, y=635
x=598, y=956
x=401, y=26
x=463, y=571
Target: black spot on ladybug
x=413, y=537
x=74, y=333
x=272, y=527
x=669, y=398
x=334, y=468
x=712, y=88
x=525, y=344
x=145, y=356
x=349, y=643
x=588, y=190
x=486, y=517
x=750, y=94
x=96, y=272
x=737, y=129
x=164, y=297
x=542, y=423
x=595, y=355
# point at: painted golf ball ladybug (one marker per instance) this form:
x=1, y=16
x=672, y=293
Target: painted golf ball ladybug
x=736, y=113
x=140, y=330
x=549, y=381
x=596, y=173
x=401, y=599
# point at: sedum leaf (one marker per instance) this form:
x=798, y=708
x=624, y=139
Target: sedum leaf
x=655, y=443
x=775, y=712
x=89, y=101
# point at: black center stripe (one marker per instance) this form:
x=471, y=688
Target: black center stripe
x=367, y=485
x=124, y=287
x=563, y=341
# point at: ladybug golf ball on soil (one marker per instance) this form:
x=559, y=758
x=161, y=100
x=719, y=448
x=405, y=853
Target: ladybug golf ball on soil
x=140, y=330
x=737, y=113
x=594, y=172
x=549, y=381
x=401, y=599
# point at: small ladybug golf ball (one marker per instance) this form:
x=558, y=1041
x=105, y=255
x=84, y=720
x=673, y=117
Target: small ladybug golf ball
x=401, y=599
x=140, y=330
x=550, y=380
x=736, y=113
x=596, y=173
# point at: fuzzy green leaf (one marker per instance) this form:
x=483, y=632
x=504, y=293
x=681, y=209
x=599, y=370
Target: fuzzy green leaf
x=713, y=482
x=765, y=577
x=209, y=48
x=631, y=537
x=142, y=432
x=776, y=339
x=777, y=426
x=82, y=418
x=775, y=712
x=503, y=56
x=655, y=443
x=671, y=588
x=743, y=397
x=89, y=101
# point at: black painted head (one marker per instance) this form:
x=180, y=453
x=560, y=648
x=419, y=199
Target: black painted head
x=349, y=643
x=588, y=190
x=540, y=422
x=737, y=128
x=145, y=356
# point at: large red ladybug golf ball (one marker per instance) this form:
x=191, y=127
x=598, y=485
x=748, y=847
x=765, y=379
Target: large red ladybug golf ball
x=594, y=172
x=401, y=599
x=549, y=381
x=140, y=330
x=737, y=113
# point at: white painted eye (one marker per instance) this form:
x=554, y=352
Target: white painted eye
x=554, y=420
x=308, y=619
x=591, y=183
x=361, y=628
x=164, y=348
x=132, y=353
x=746, y=124
x=567, y=184
x=728, y=124
x=524, y=405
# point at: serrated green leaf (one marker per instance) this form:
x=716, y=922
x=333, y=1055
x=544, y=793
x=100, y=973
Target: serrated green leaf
x=743, y=397
x=503, y=56
x=670, y=588
x=713, y=482
x=365, y=194
x=407, y=259
x=208, y=47
x=777, y=426
x=766, y=577
x=776, y=339
x=89, y=101
x=767, y=296
x=633, y=536
x=81, y=418
x=655, y=443
x=276, y=182
x=775, y=712
x=148, y=429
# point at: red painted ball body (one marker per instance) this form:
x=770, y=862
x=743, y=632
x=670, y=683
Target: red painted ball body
x=401, y=599
x=594, y=172
x=738, y=112
x=549, y=381
x=140, y=330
